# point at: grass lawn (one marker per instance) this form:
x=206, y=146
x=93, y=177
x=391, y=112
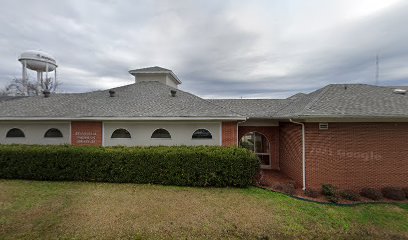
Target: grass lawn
x=73, y=210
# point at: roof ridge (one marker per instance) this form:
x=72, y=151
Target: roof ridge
x=152, y=68
x=239, y=114
x=290, y=102
x=318, y=97
x=208, y=101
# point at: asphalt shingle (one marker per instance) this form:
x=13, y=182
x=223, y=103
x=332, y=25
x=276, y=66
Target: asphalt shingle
x=10, y=98
x=253, y=108
x=349, y=100
x=143, y=99
x=153, y=99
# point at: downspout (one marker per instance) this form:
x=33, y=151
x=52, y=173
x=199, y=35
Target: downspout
x=303, y=153
x=238, y=122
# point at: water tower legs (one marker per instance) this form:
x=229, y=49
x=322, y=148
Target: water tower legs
x=24, y=76
x=46, y=72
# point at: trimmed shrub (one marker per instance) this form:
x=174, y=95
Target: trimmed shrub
x=312, y=193
x=371, y=193
x=406, y=192
x=350, y=195
x=329, y=190
x=181, y=165
x=393, y=193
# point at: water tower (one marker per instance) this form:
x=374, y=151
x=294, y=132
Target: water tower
x=38, y=61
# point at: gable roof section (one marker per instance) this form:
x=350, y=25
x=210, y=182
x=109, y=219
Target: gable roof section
x=348, y=100
x=143, y=100
x=296, y=96
x=152, y=100
x=331, y=101
x=253, y=108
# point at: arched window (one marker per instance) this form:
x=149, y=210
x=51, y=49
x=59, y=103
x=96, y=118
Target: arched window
x=258, y=144
x=53, y=133
x=202, y=134
x=15, y=133
x=121, y=133
x=161, y=133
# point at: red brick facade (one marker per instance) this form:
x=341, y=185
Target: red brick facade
x=290, y=151
x=357, y=155
x=347, y=155
x=86, y=133
x=229, y=134
x=272, y=134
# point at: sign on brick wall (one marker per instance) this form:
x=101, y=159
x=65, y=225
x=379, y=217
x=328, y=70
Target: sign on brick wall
x=86, y=133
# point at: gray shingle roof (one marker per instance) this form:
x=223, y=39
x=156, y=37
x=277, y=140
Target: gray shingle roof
x=296, y=106
x=10, y=98
x=153, y=100
x=349, y=100
x=253, y=108
x=296, y=96
x=334, y=101
x=139, y=100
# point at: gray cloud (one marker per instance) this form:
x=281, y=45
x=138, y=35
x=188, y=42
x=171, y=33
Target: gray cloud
x=218, y=49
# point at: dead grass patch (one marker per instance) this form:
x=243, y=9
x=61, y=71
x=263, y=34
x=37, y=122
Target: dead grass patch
x=169, y=211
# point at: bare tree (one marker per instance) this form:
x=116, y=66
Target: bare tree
x=27, y=87
x=3, y=92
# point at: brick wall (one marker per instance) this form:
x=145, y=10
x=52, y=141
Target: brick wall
x=272, y=134
x=229, y=134
x=290, y=151
x=86, y=133
x=356, y=155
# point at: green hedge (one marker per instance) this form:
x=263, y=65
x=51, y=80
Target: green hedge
x=183, y=166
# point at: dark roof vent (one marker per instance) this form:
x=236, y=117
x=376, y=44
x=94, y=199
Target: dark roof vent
x=173, y=93
x=112, y=93
x=46, y=93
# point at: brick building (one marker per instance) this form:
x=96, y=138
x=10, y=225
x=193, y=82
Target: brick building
x=349, y=135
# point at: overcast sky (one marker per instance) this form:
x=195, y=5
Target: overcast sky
x=218, y=49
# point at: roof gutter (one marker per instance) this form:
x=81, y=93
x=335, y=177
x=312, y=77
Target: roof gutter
x=303, y=153
x=339, y=116
x=121, y=118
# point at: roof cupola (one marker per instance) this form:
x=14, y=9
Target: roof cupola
x=157, y=74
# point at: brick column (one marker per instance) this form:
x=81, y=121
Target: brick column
x=229, y=134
